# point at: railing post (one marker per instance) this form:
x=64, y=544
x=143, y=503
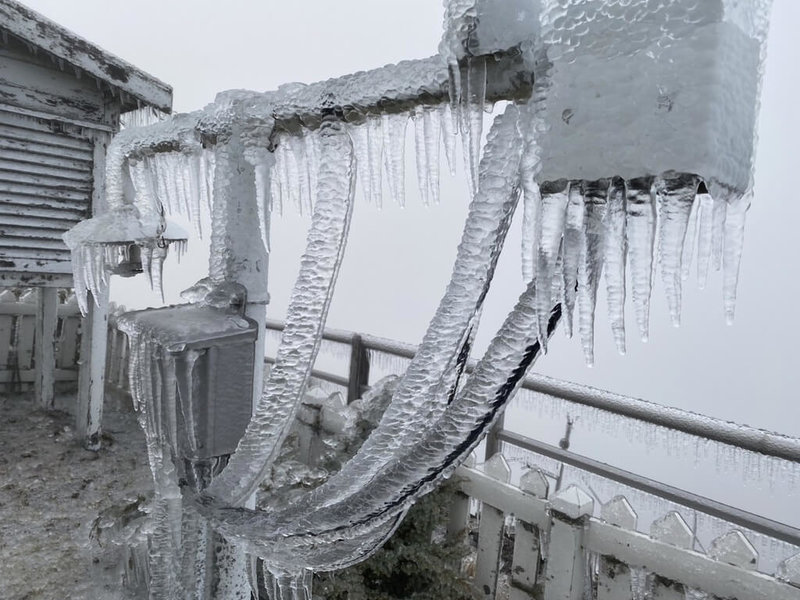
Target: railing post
x=44, y=346
x=492, y=437
x=527, y=551
x=566, y=563
x=458, y=520
x=359, y=369
x=490, y=533
x=671, y=529
x=615, y=577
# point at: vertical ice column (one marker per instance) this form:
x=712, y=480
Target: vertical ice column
x=675, y=199
x=237, y=252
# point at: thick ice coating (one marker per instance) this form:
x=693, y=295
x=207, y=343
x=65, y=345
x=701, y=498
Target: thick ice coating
x=634, y=152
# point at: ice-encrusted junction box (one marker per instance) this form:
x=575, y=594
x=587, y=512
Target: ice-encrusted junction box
x=207, y=354
x=633, y=88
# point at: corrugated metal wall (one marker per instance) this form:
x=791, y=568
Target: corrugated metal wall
x=45, y=188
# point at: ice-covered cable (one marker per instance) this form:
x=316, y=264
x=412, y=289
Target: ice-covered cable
x=416, y=402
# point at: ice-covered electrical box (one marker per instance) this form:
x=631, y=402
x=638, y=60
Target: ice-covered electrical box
x=205, y=357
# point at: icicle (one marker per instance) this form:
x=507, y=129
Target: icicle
x=555, y=197
x=641, y=226
x=431, y=133
x=734, y=243
x=473, y=99
x=360, y=137
x=292, y=173
x=265, y=186
x=299, y=168
x=691, y=238
x=531, y=219
x=530, y=233
x=591, y=261
x=718, y=233
x=192, y=187
x=454, y=92
x=311, y=141
x=448, y=136
x=375, y=158
x=705, y=221
x=421, y=148
x=675, y=198
x=573, y=241
x=186, y=396
x=616, y=249
x=394, y=148
x=159, y=254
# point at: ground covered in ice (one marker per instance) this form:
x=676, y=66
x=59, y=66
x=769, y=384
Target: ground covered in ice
x=51, y=493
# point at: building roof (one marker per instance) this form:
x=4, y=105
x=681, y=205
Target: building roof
x=136, y=88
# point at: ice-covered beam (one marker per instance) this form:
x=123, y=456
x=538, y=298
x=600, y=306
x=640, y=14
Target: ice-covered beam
x=396, y=88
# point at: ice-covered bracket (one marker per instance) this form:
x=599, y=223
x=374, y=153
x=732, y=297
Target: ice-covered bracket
x=631, y=97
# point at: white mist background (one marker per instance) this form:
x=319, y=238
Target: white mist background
x=398, y=261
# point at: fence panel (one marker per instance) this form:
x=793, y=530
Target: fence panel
x=18, y=339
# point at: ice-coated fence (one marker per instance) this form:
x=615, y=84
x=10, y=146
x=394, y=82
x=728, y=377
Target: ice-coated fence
x=561, y=551
x=17, y=339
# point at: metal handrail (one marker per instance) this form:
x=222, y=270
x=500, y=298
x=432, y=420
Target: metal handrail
x=742, y=436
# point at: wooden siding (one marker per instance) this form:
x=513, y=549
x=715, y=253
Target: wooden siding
x=34, y=82
x=45, y=189
x=131, y=85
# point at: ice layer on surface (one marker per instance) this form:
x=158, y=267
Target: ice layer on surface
x=644, y=87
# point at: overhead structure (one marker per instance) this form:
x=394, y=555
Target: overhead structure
x=586, y=82
x=61, y=99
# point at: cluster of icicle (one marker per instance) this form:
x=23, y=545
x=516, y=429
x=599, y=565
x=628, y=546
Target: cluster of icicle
x=180, y=183
x=379, y=145
x=576, y=231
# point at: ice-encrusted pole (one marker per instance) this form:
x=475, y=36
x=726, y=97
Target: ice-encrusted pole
x=238, y=254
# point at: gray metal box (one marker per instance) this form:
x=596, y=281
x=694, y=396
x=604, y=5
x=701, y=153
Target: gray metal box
x=214, y=353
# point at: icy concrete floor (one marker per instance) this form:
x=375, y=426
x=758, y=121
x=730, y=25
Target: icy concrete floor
x=51, y=492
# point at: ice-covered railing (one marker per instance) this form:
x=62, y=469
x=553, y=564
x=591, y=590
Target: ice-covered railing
x=575, y=540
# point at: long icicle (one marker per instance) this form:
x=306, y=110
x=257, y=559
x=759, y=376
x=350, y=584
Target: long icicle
x=675, y=198
x=641, y=226
x=616, y=249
